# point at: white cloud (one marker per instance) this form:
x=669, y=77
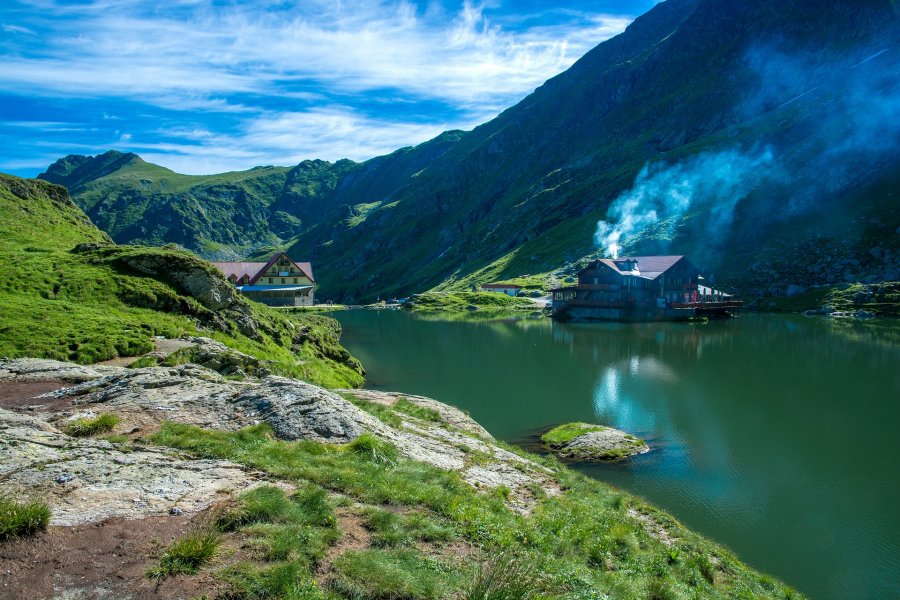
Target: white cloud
x=289, y=75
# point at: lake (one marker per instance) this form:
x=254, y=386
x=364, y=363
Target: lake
x=773, y=435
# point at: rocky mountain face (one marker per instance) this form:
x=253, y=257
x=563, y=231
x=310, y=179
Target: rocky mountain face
x=759, y=137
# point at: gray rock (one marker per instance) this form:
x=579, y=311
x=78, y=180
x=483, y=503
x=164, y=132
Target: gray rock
x=41, y=369
x=602, y=445
x=297, y=410
x=87, y=480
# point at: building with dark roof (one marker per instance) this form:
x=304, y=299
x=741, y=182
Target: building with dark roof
x=279, y=282
x=640, y=288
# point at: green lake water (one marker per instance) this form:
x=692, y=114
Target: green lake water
x=773, y=435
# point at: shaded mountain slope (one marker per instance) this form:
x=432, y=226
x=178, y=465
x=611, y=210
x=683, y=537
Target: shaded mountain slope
x=774, y=116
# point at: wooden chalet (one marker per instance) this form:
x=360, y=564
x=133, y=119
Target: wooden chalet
x=279, y=282
x=641, y=288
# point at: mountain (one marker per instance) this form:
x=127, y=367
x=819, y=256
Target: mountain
x=70, y=294
x=760, y=137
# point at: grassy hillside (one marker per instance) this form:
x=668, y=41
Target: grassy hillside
x=93, y=304
x=811, y=85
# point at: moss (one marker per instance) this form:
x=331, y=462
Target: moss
x=566, y=433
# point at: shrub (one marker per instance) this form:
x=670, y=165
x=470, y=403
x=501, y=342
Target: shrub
x=506, y=577
x=187, y=555
x=21, y=518
x=88, y=426
x=374, y=449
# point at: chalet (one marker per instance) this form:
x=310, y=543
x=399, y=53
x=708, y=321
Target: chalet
x=501, y=288
x=640, y=288
x=279, y=282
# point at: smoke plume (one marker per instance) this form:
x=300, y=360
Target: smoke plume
x=661, y=191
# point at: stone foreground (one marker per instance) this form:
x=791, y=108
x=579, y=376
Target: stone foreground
x=88, y=480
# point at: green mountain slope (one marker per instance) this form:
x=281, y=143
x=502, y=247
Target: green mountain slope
x=68, y=293
x=771, y=122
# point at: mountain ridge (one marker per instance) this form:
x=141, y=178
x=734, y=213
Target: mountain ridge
x=523, y=193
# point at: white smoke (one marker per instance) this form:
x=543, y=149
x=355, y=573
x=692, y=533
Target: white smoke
x=718, y=181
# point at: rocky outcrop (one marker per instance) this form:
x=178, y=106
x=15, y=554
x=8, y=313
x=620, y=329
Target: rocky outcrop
x=87, y=480
x=41, y=369
x=583, y=441
x=450, y=414
x=194, y=395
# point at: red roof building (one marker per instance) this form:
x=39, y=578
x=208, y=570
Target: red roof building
x=281, y=281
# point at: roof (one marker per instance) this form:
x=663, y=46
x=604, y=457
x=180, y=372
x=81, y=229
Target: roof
x=501, y=285
x=273, y=288
x=254, y=270
x=306, y=271
x=239, y=269
x=648, y=267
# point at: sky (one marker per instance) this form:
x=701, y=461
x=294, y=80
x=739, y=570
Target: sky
x=207, y=86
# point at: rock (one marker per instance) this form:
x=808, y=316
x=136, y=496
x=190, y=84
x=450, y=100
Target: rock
x=863, y=315
x=583, y=441
x=109, y=482
x=41, y=369
x=297, y=410
x=222, y=359
x=450, y=414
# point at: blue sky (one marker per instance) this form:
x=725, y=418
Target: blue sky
x=211, y=86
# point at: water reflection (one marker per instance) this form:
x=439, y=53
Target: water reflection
x=770, y=434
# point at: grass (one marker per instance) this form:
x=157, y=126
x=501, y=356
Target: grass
x=20, y=518
x=566, y=433
x=92, y=306
x=391, y=529
x=880, y=299
x=405, y=406
x=463, y=301
x=88, y=426
x=393, y=574
x=187, y=555
x=583, y=543
x=505, y=577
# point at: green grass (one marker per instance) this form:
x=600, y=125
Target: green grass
x=19, y=518
x=390, y=529
x=420, y=412
x=583, y=543
x=506, y=577
x=566, y=433
x=393, y=574
x=462, y=301
x=187, y=555
x=88, y=426
x=91, y=306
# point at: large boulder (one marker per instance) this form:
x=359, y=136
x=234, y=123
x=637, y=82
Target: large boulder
x=584, y=441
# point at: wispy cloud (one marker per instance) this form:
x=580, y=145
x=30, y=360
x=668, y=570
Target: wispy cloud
x=336, y=68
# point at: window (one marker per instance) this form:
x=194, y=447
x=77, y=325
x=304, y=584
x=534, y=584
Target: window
x=282, y=280
x=270, y=280
x=295, y=280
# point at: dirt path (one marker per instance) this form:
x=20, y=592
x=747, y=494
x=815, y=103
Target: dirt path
x=97, y=561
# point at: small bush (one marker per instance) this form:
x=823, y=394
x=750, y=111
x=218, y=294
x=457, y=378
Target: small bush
x=187, y=555
x=87, y=426
x=506, y=577
x=374, y=449
x=19, y=518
